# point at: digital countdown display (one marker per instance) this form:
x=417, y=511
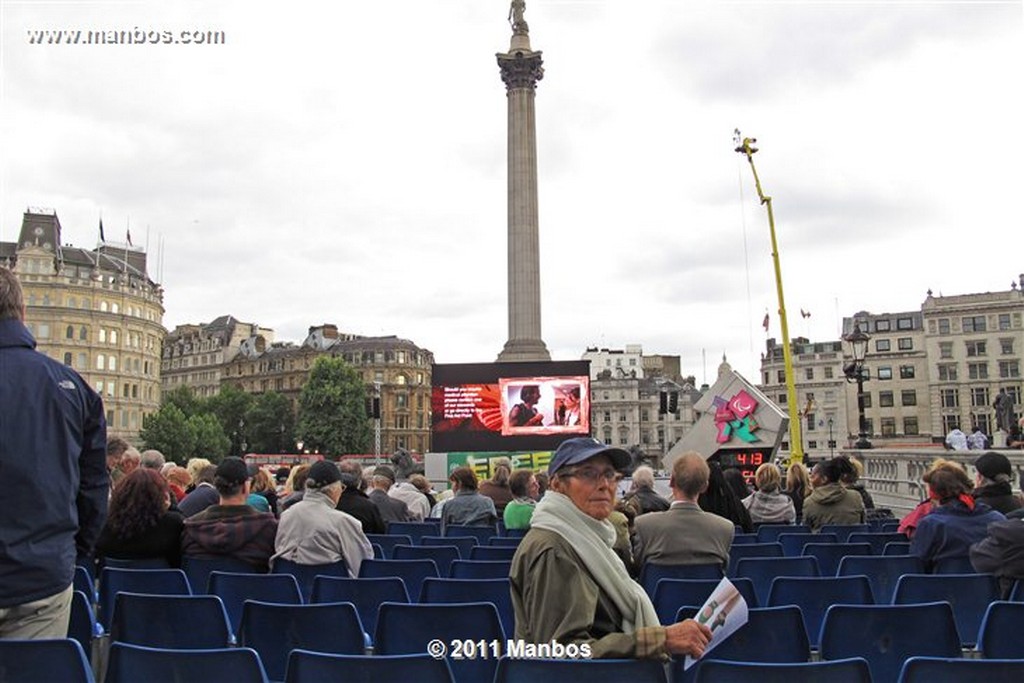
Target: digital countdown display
x=746, y=460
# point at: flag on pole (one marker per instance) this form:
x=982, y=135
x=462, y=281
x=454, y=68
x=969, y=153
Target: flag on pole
x=805, y=314
x=102, y=238
x=129, y=235
x=765, y=323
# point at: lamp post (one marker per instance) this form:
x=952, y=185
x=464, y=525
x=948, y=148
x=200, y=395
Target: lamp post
x=854, y=372
x=831, y=439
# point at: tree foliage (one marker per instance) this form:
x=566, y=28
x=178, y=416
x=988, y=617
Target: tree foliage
x=185, y=399
x=167, y=431
x=209, y=440
x=332, y=409
x=270, y=424
x=230, y=406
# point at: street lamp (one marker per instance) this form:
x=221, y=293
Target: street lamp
x=854, y=372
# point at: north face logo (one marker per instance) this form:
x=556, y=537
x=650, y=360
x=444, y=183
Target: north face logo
x=66, y=384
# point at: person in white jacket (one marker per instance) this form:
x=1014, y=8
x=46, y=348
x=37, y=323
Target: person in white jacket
x=312, y=531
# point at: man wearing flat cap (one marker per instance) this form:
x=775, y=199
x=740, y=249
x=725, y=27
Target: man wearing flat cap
x=992, y=479
x=231, y=528
x=567, y=583
x=312, y=531
x=391, y=509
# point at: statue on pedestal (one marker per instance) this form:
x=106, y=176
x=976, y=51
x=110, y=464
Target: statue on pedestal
x=1004, y=411
x=515, y=17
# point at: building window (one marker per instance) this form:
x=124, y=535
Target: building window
x=949, y=398
x=1009, y=369
x=885, y=399
x=809, y=418
x=904, y=323
x=112, y=363
x=782, y=376
x=905, y=344
x=943, y=325
x=882, y=326
x=828, y=372
x=783, y=399
x=949, y=423
x=973, y=323
x=766, y=378
x=945, y=349
x=882, y=345
x=910, y=427
x=83, y=360
x=975, y=348
x=947, y=372
x=908, y=397
x=979, y=397
x=809, y=373
x=67, y=358
x=977, y=370
x=1004, y=321
x=101, y=361
x=888, y=426
x=401, y=401
x=1006, y=347
x=1014, y=393
x=69, y=333
x=869, y=426
x=885, y=373
x=906, y=372
x=867, y=399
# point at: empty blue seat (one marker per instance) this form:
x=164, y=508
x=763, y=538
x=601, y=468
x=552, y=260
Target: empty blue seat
x=744, y=539
x=652, y=572
x=853, y=670
x=480, y=533
x=999, y=635
x=514, y=533
x=769, y=533
x=388, y=541
x=84, y=582
x=763, y=570
x=82, y=624
x=412, y=572
x=671, y=594
x=843, y=531
x=591, y=670
x=816, y=594
x=414, y=530
x=829, y=555
x=793, y=544
x=506, y=541
x=896, y=548
x=968, y=594
x=953, y=565
x=408, y=628
x=888, y=635
x=442, y=555
x=153, y=581
x=234, y=589
x=140, y=563
x=198, y=570
x=464, y=543
x=274, y=630
x=739, y=552
x=883, y=571
x=305, y=573
x=316, y=667
x=480, y=569
x=170, y=621
x=940, y=670
x=366, y=594
x=494, y=591
x=133, y=663
x=43, y=661
x=492, y=553
x=877, y=540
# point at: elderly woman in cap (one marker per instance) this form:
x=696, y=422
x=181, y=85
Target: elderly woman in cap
x=992, y=482
x=569, y=586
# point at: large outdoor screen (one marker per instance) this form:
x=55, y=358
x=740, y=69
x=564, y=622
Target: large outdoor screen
x=509, y=406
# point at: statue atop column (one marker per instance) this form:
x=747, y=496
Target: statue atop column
x=515, y=17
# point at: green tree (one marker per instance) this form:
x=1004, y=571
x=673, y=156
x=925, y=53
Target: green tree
x=185, y=399
x=208, y=438
x=332, y=409
x=167, y=430
x=270, y=424
x=230, y=406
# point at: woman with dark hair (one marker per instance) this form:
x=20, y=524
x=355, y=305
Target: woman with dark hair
x=734, y=478
x=720, y=499
x=798, y=485
x=139, y=525
x=830, y=502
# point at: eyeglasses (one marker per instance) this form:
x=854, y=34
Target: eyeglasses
x=591, y=476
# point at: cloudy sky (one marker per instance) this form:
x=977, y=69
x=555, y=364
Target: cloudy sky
x=345, y=162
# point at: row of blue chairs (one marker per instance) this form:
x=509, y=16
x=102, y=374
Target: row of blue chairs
x=432, y=527
x=768, y=533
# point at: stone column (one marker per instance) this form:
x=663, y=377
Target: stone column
x=521, y=68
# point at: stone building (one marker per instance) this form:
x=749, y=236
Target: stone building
x=194, y=355
x=97, y=311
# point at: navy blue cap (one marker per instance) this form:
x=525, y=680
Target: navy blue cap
x=573, y=451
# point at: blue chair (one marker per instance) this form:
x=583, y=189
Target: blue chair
x=316, y=667
x=234, y=589
x=843, y=531
x=404, y=629
x=481, y=533
x=740, y=552
x=853, y=670
x=896, y=548
x=514, y=670
x=492, y=553
x=814, y=595
x=887, y=526
x=876, y=539
x=769, y=533
x=442, y=555
x=968, y=594
x=464, y=543
x=82, y=625
x=888, y=635
x=652, y=572
x=388, y=541
x=141, y=563
x=378, y=551
x=999, y=635
x=793, y=544
x=198, y=570
x=274, y=630
x=83, y=581
x=42, y=661
x=953, y=565
x=505, y=541
x=744, y=539
x=412, y=572
x=763, y=570
x=414, y=530
x=771, y=635
x=1017, y=592
x=671, y=594
x=514, y=533
x=480, y=569
x=366, y=594
x=153, y=581
x=132, y=663
x=494, y=591
x=305, y=573
x=170, y=621
x=829, y=555
x=939, y=670
x=883, y=571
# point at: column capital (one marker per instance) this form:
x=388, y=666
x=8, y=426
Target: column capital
x=521, y=69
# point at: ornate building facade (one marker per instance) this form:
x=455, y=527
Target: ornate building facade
x=95, y=310
x=194, y=355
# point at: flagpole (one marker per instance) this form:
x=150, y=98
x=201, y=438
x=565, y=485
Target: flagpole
x=796, y=445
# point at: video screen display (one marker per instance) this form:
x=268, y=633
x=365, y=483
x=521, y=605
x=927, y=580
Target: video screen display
x=509, y=406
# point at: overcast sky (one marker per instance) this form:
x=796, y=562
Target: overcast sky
x=345, y=162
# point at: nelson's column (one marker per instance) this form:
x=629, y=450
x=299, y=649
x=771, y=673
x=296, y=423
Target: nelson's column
x=521, y=68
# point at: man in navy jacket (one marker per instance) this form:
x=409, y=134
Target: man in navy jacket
x=53, y=466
